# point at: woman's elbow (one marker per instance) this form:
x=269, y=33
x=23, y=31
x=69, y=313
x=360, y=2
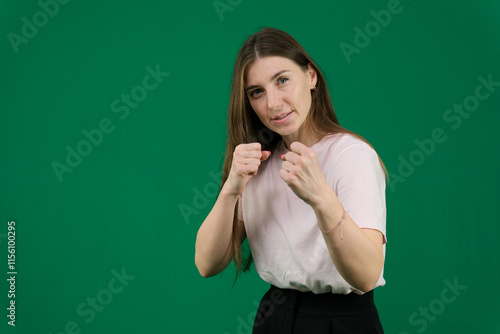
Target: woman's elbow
x=203, y=273
x=368, y=283
x=204, y=269
x=365, y=286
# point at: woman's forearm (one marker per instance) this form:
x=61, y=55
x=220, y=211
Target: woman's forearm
x=358, y=258
x=213, y=241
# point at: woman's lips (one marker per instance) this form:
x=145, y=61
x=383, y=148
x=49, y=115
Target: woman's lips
x=281, y=119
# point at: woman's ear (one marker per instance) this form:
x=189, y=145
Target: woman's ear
x=313, y=75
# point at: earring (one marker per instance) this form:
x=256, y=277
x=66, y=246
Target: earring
x=314, y=88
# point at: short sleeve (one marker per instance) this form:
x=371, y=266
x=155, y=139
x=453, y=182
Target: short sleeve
x=359, y=182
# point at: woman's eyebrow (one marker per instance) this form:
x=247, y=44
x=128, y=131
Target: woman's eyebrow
x=272, y=79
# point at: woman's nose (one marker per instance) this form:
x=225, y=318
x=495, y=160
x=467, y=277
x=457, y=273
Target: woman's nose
x=274, y=99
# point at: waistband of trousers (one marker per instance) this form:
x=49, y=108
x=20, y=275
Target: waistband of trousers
x=324, y=304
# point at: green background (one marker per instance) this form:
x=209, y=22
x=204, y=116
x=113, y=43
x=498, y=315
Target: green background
x=120, y=207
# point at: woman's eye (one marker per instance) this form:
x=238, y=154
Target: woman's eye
x=282, y=80
x=255, y=92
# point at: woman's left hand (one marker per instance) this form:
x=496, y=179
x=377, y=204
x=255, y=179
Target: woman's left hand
x=302, y=173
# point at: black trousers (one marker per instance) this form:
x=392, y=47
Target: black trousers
x=285, y=311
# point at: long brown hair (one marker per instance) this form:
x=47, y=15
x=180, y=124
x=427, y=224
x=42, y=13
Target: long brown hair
x=244, y=126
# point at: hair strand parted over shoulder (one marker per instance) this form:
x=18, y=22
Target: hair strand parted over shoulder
x=243, y=124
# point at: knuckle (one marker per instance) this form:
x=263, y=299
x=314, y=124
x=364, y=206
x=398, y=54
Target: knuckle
x=251, y=146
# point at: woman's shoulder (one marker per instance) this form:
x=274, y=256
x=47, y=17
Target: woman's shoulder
x=339, y=143
x=351, y=155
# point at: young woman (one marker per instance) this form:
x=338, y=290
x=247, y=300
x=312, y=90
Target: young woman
x=308, y=194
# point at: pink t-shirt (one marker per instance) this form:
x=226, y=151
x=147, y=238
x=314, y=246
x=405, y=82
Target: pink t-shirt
x=287, y=247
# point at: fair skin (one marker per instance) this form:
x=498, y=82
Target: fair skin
x=279, y=92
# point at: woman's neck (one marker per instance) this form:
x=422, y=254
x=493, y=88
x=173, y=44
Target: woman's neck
x=306, y=139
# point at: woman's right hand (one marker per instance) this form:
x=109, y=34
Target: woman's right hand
x=246, y=161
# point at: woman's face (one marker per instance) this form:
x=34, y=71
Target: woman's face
x=279, y=92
